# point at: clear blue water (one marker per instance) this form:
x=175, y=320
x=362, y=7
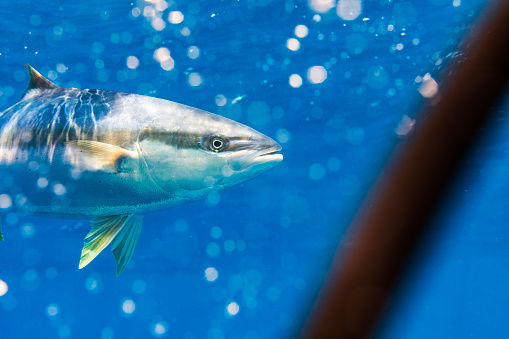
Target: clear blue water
x=269, y=240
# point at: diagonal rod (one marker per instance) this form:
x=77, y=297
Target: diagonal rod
x=388, y=226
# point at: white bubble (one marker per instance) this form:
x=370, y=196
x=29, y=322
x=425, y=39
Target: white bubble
x=317, y=18
x=149, y=12
x=175, y=17
x=52, y=310
x=316, y=172
x=168, y=65
x=321, y=6
x=293, y=44
x=220, y=100
x=3, y=287
x=158, y=24
x=194, y=79
x=159, y=329
x=162, y=54
x=132, y=62
x=211, y=274
x=295, y=80
x=317, y=74
x=42, y=182
x=135, y=12
x=349, y=9
x=283, y=135
x=185, y=31
x=405, y=125
x=128, y=307
x=59, y=189
x=5, y=201
x=456, y=3
x=428, y=88
x=232, y=308
x=61, y=68
x=193, y=52
x=301, y=31
x=227, y=171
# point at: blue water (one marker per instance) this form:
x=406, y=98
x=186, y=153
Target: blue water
x=248, y=263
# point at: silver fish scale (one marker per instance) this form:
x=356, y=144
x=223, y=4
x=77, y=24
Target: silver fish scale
x=54, y=117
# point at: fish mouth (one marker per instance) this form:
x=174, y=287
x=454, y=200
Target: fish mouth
x=245, y=159
x=270, y=155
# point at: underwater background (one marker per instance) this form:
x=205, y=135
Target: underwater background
x=335, y=83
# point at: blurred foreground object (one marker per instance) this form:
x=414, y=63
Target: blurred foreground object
x=388, y=226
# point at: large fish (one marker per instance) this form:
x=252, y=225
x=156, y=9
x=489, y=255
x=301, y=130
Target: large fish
x=112, y=157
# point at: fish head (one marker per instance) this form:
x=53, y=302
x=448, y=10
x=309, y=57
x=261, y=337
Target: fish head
x=204, y=152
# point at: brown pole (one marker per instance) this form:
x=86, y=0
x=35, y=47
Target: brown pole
x=391, y=220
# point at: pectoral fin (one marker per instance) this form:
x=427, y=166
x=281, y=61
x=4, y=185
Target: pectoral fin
x=100, y=155
x=122, y=230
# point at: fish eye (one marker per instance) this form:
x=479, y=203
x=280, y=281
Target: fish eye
x=217, y=144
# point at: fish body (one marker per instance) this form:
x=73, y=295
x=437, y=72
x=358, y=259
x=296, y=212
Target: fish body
x=113, y=157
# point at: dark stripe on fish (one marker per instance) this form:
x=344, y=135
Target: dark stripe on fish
x=183, y=139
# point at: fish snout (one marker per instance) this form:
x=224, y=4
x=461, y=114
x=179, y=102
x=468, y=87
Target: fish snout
x=256, y=154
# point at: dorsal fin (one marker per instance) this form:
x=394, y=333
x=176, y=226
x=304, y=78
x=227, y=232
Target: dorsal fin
x=37, y=83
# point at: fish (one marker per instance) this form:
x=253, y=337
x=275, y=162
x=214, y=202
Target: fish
x=112, y=157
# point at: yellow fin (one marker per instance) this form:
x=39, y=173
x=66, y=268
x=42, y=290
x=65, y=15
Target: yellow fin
x=122, y=231
x=101, y=156
x=125, y=242
x=104, y=230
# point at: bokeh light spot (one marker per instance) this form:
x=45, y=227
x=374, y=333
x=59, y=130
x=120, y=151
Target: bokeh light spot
x=293, y=44
x=232, y=308
x=3, y=288
x=175, y=17
x=295, y=80
x=128, y=307
x=317, y=74
x=211, y=274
